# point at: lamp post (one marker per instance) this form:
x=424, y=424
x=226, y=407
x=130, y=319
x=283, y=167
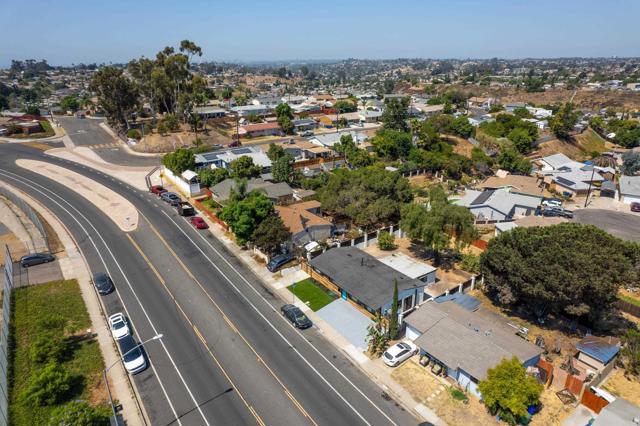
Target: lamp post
x=104, y=373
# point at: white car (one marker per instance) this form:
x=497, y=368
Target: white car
x=119, y=326
x=399, y=352
x=132, y=355
x=552, y=203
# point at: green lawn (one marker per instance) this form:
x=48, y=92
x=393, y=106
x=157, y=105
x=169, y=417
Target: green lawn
x=312, y=294
x=33, y=310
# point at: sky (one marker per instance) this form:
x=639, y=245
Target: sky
x=66, y=32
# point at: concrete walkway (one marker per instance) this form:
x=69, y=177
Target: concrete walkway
x=74, y=266
x=11, y=220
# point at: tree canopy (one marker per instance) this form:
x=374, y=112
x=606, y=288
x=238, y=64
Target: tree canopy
x=630, y=163
x=270, y=234
x=179, y=160
x=243, y=168
x=243, y=215
x=392, y=144
x=117, y=95
x=282, y=169
x=396, y=114
x=509, y=390
x=562, y=122
x=568, y=269
x=355, y=156
x=210, y=177
x=368, y=196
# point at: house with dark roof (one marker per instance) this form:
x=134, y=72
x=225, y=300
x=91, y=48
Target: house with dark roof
x=598, y=352
x=365, y=281
x=466, y=340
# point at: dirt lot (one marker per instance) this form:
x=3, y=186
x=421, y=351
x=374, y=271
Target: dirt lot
x=460, y=145
x=157, y=143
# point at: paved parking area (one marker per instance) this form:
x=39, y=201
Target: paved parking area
x=37, y=274
x=348, y=321
x=619, y=224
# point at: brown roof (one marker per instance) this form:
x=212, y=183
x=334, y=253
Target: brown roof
x=260, y=126
x=517, y=183
x=297, y=217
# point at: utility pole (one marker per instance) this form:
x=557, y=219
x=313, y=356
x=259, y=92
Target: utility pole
x=593, y=170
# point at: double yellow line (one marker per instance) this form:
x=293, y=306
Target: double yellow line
x=226, y=319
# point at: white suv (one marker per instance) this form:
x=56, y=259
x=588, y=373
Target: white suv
x=399, y=352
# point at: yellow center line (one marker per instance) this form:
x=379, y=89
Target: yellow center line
x=231, y=325
x=195, y=329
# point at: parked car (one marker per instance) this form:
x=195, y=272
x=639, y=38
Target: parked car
x=296, y=316
x=132, y=355
x=399, y=352
x=552, y=202
x=171, y=198
x=36, y=259
x=157, y=189
x=234, y=144
x=635, y=207
x=199, y=222
x=103, y=283
x=278, y=262
x=119, y=326
x=551, y=213
x=562, y=212
x=184, y=209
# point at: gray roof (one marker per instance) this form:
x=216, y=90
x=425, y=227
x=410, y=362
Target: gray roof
x=619, y=413
x=473, y=341
x=501, y=200
x=630, y=185
x=556, y=160
x=330, y=139
x=222, y=190
x=362, y=275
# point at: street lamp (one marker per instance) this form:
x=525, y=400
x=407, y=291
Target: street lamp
x=104, y=373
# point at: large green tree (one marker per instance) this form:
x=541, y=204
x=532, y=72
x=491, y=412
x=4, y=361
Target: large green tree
x=117, y=95
x=509, y=390
x=179, y=160
x=244, y=168
x=568, y=269
x=396, y=114
x=270, y=235
x=210, y=177
x=367, y=196
x=392, y=144
x=562, y=122
x=243, y=215
x=282, y=169
x=69, y=103
x=355, y=156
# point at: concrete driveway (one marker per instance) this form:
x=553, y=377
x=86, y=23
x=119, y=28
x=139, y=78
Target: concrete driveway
x=619, y=224
x=348, y=321
x=580, y=417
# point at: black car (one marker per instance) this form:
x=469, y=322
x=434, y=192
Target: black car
x=35, y=259
x=295, y=315
x=171, y=198
x=103, y=283
x=278, y=261
x=551, y=213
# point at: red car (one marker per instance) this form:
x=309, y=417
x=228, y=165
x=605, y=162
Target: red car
x=199, y=222
x=635, y=207
x=157, y=189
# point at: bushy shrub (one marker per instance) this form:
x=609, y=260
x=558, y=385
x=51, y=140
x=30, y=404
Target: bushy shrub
x=79, y=413
x=134, y=134
x=50, y=386
x=386, y=241
x=47, y=348
x=470, y=263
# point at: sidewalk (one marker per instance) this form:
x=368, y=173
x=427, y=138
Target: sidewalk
x=278, y=282
x=126, y=146
x=74, y=266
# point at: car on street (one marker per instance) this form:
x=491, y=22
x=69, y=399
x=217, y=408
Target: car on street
x=103, y=283
x=278, y=261
x=132, y=355
x=635, y=207
x=198, y=222
x=171, y=198
x=296, y=316
x=157, y=189
x=398, y=353
x=552, y=202
x=36, y=259
x=119, y=326
x=184, y=208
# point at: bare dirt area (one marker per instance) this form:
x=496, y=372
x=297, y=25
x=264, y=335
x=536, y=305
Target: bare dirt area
x=583, y=98
x=460, y=145
x=428, y=390
x=571, y=149
x=156, y=143
x=553, y=411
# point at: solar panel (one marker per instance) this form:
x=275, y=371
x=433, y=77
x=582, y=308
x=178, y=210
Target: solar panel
x=482, y=197
x=564, y=181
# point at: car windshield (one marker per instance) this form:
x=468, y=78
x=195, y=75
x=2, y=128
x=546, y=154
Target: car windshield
x=301, y=317
x=118, y=325
x=387, y=355
x=132, y=355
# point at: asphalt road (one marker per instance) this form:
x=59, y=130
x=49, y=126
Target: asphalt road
x=227, y=356
x=620, y=224
x=88, y=133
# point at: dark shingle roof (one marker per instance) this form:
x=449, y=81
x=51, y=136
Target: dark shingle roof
x=362, y=275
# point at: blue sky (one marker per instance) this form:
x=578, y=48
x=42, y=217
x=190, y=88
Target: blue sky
x=65, y=32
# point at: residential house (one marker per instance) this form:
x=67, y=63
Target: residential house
x=247, y=110
x=369, y=116
x=293, y=99
x=572, y=182
x=477, y=120
x=540, y=124
x=429, y=110
x=280, y=193
x=505, y=227
x=260, y=129
x=269, y=101
x=304, y=125
x=598, y=353
x=223, y=158
x=302, y=150
x=498, y=204
x=539, y=113
x=207, y=112
x=517, y=184
x=365, y=281
x=330, y=139
x=557, y=161
x=510, y=107
x=629, y=189
x=620, y=412
x=480, y=102
x=410, y=267
x=465, y=339
x=305, y=222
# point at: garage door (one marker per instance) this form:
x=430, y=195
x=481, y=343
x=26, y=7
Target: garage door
x=628, y=200
x=411, y=333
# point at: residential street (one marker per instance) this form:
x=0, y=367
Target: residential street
x=227, y=356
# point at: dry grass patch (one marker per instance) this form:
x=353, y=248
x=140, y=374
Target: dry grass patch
x=622, y=386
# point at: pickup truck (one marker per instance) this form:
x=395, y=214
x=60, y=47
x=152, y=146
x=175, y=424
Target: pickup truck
x=184, y=209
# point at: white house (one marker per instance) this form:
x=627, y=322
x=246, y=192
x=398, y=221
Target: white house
x=630, y=189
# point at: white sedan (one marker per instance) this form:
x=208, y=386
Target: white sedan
x=399, y=352
x=119, y=326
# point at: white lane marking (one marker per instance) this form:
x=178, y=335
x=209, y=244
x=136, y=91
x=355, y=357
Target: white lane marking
x=276, y=330
x=121, y=300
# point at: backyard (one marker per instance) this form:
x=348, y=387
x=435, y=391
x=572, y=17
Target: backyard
x=49, y=332
x=312, y=294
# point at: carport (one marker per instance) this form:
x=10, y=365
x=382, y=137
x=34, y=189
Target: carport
x=348, y=321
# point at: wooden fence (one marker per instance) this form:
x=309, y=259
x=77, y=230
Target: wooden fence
x=593, y=401
x=628, y=307
x=211, y=215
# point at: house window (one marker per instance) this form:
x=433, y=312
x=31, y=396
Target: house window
x=407, y=303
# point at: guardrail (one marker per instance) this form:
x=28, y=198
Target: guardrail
x=4, y=338
x=22, y=205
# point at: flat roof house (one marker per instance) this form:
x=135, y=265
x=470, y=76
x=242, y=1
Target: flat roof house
x=365, y=281
x=261, y=129
x=410, y=267
x=210, y=112
x=222, y=158
x=465, y=339
x=279, y=193
x=331, y=139
x=618, y=413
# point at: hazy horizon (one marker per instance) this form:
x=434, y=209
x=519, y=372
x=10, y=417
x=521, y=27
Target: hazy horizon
x=68, y=33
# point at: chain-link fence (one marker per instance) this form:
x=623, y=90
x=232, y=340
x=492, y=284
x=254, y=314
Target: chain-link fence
x=4, y=338
x=26, y=208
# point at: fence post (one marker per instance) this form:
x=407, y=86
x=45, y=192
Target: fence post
x=473, y=282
